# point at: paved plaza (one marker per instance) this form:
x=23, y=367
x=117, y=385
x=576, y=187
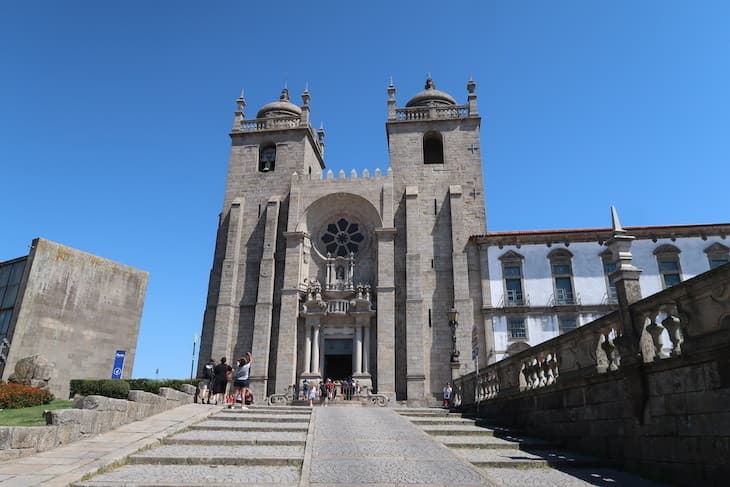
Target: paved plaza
x=197, y=445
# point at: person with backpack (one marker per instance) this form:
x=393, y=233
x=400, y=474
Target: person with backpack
x=206, y=383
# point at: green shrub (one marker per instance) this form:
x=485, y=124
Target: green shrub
x=153, y=386
x=105, y=387
x=120, y=388
x=13, y=396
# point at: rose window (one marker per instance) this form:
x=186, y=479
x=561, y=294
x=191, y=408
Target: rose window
x=342, y=238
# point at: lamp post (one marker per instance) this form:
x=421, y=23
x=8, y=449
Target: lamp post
x=453, y=315
x=192, y=362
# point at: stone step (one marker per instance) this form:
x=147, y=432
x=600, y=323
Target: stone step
x=565, y=477
x=215, y=455
x=257, y=417
x=505, y=458
x=423, y=412
x=505, y=442
x=275, y=409
x=205, y=437
x=452, y=430
x=218, y=425
x=438, y=421
x=195, y=476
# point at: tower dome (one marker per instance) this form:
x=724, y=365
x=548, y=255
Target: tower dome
x=280, y=109
x=431, y=97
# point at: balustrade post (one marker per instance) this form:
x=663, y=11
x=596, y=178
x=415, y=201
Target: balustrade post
x=673, y=326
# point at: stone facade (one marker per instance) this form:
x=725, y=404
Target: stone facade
x=75, y=310
x=536, y=300
x=349, y=276
x=354, y=275
x=645, y=387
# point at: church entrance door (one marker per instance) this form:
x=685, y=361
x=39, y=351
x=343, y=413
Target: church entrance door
x=337, y=358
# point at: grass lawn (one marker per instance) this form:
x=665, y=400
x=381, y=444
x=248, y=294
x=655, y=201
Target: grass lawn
x=32, y=416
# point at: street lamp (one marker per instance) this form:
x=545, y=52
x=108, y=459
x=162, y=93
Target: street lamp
x=453, y=315
x=192, y=362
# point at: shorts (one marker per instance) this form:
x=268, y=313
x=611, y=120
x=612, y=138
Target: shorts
x=240, y=383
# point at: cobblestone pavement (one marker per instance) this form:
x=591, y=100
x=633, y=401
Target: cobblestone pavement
x=507, y=459
x=66, y=464
x=207, y=446
x=256, y=447
x=376, y=446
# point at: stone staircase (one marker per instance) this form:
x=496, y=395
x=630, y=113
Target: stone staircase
x=509, y=458
x=257, y=446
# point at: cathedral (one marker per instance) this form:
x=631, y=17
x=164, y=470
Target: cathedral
x=391, y=277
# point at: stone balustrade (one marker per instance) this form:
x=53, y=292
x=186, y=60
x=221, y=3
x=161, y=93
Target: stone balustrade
x=642, y=386
x=338, y=306
x=256, y=124
x=665, y=320
x=432, y=113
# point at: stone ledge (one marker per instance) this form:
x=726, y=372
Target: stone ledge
x=90, y=415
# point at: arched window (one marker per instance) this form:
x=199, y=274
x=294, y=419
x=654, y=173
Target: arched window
x=433, y=148
x=717, y=255
x=562, y=270
x=267, y=157
x=512, y=273
x=667, y=257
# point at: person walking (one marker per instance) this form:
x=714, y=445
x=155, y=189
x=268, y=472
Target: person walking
x=206, y=383
x=240, y=379
x=447, y=395
x=311, y=394
x=220, y=381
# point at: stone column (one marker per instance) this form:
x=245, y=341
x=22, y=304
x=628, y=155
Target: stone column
x=286, y=351
x=316, y=369
x=307, y=349
x=264, y=305
x=223, y=313
x=386, y=313
x=366, y=350
x=357, y=355
x=462, y=298
x=415, y=369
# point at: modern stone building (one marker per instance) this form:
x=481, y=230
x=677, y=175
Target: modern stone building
x=323, y=276
x=73, y=308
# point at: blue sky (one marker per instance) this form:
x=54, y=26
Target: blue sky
x=114, y=118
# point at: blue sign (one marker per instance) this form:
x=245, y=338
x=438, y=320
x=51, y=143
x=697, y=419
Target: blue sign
x=118, y=364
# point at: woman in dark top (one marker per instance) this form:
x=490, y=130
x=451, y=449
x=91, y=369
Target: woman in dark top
x=220, y=381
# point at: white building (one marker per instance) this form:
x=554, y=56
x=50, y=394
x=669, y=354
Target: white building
x=545, y=282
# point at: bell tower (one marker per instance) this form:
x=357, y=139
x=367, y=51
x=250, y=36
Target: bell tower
x=244, y=293
x=434, y=152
